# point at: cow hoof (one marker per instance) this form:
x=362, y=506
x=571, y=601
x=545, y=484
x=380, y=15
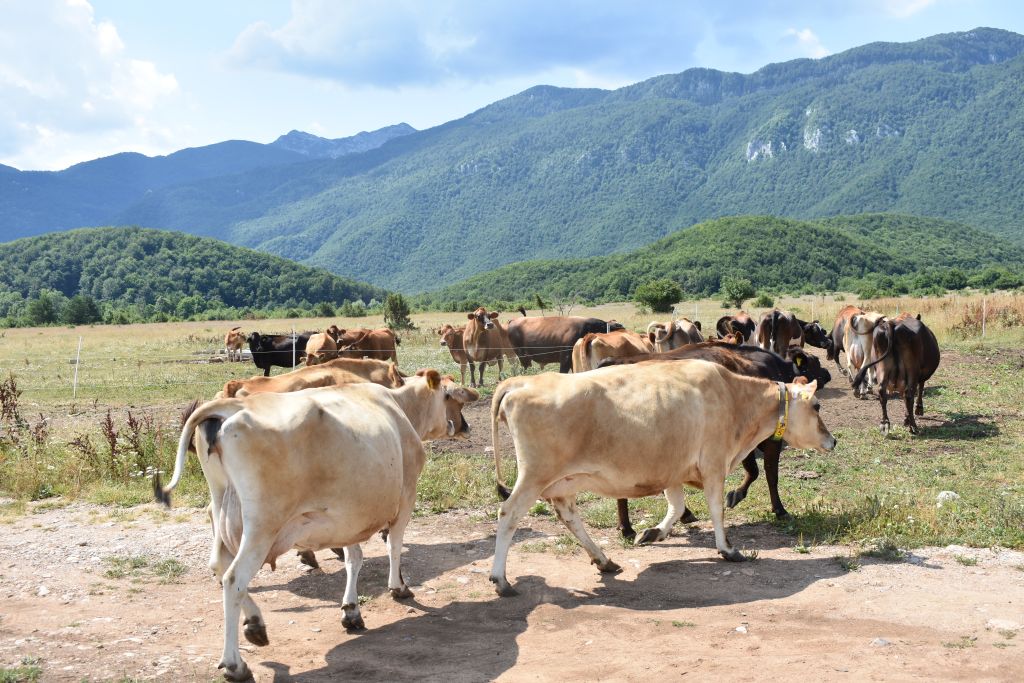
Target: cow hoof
x=628, y=533
x=256, y=632
x=781, y=513
x=689, y=518
x=353, y=621
x=914, y=429
x=503, y=588
x=648, y=536
x=236, y=672
x=885, y=428
x=733, y=555
x=308, y=558
x=608, y=567
x=401, y=593
x=733, y=498
x=384, y=535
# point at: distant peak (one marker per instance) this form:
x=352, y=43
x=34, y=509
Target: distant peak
x=319, y=147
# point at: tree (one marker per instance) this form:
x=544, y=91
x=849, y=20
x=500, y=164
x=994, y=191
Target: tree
x=81, y=309
x=659, y=295
x=42, y=311
x=396, y=313
x=736, y=290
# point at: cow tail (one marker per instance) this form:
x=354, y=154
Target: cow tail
x=496, y=404
x=219, y=410
x=863, y=373
x=773, y=328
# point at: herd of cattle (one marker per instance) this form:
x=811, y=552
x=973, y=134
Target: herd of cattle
x=328, y=454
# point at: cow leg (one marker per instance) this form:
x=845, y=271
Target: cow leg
x=772, y=450
x=512, y=510
x=625, y=527
x=713, y=494
x=266, y=371
x=352, y=620
x=735, y=497
x=308, y=558
x=462, y=368
x=565, y=363
x=255, y=628
x=501, y=367
x=920, y=399
x=884, y=426
x=481, y=366
x=909, y=392
x=251, y=553
x=472, y=374
x=396, y=532
x=565, y=508
x=676, y=498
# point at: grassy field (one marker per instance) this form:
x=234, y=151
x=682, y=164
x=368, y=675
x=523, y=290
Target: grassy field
x=101, y=440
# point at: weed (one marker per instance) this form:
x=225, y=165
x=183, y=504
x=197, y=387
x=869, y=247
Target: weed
x=800, y=547
x=566, y=545
x=540, y=509
x=683, y=624
x=962, y=644
x=1007, y=633
x=168, y=570
x=885, y=549
x=966, y=560
x=363, y=599
x=28, y=672
x=849, y=564
x=534, y=546
x=120, y=566
x=10, y=395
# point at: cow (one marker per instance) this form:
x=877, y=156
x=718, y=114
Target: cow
x=234, y=340
x=838, y=336
x=637, y=430
x=320, y=348
x=778, y=330
x=363, y=343
x=485, y=342
x=906, y=355
x=331, y=373
x=857, y=342
x=752, y=362
x=452, y=338
x=283, y=350
x=673, y=334
x=596, y=346
x=741, y=323
x=549, y=339
x=313, y=469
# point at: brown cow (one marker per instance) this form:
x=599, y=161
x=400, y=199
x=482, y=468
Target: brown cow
x=673, y=334
x=596, y=346
x=485, y=342
x=320, y=348
x=452, y=338
x=858, y=344
x=741, y=323
x=906, y=355
x=778, y=330
x=234, y=340
x=361, y=342
x=549, y=339
x=334, y=372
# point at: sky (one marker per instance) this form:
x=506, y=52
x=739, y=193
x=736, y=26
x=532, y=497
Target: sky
x=84, y=79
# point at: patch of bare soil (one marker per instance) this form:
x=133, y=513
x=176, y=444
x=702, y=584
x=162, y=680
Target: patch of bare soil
x=675, y=610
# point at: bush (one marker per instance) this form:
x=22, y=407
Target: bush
x=764, y=301
x=396, y=313
x=659, y=295
x=736, y=290
x=81, y=309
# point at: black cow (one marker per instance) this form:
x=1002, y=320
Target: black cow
x=269, y=350
x=549, y=339
x=752, y=362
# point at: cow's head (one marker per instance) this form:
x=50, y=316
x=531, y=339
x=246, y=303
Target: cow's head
x=815, y=335
x=445, y=417
x=484, y=319
x=805, y=428
x=255, y=340
x=806, y=365
x=864, y=323
x=615, y=325
x=448, y=334
x=335, y=333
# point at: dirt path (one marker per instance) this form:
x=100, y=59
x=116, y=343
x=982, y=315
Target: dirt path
x=675, y=610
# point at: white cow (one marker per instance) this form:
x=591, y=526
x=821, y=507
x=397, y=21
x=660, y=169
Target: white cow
x=319, y=468
x=636, y=430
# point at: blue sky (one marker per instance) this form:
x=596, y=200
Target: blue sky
x=83, y=79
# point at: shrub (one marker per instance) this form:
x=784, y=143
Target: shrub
x=764, y=301
x=396, y=313
x=736, y=290
x=659, y=295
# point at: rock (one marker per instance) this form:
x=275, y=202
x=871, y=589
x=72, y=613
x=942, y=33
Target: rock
x=43, y=591
x=880, y=642
x=741, y=628
x=1003, y=625
x=946, y=497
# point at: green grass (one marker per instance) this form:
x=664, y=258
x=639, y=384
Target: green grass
x=28, y=672
x=143, y=567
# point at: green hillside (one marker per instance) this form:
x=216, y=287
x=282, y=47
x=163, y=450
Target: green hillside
x=774, y=253
x=931, y=128
x=161, y=272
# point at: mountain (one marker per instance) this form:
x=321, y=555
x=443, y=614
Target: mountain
x=314, y=146
x=774, y=253
x=96, y=192
x=925, y=128
x=141, y=266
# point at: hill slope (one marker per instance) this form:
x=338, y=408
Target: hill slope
x=137, y=265
x=925, y=128
x=774, y=253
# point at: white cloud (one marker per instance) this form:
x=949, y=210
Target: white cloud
x=64, y=74
x=809, y=43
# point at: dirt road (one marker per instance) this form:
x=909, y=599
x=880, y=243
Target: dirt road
x=675, y=611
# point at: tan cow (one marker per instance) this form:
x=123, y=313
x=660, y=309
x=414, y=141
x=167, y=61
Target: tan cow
x=673, y=334
x=596, y=346
x=740, y=323
x=637, y=430
x=314, y=469
x=857, y=342
x=486, y=342
x=234, y=341
x=332, y=373
x=363, y=343
x=320, y=348
x=452, y=338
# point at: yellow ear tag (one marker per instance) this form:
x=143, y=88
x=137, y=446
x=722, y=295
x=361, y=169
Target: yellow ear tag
x=806, y=395
x=799, y=361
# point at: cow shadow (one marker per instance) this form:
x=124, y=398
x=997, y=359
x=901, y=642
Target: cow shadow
x=445, y=642
x=960, y=426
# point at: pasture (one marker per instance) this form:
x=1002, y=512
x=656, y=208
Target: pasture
x=75, y=467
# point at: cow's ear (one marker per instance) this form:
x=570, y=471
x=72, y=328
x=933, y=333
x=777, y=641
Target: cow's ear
x=470, y=316
x=493, y=315
x=433, y=378
x=696, y=323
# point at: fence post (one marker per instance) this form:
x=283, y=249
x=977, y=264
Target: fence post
x=293, y=346
x=78, y=361
x=984, y=315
